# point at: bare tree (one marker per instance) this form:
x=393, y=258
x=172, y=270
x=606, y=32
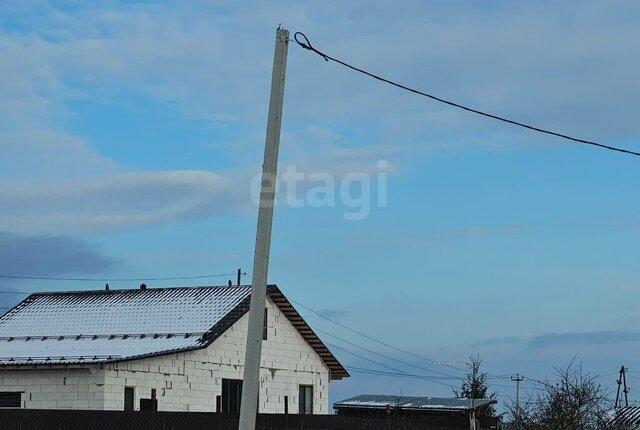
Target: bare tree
x=574, y=401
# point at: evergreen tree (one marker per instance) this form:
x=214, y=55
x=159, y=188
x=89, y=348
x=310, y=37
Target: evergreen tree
x=475, y=386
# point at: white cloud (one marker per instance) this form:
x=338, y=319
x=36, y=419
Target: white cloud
x=114, y=202
x=48, y=153
x=121, y=201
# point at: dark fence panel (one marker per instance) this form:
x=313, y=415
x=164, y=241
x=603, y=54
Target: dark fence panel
x=40, y=419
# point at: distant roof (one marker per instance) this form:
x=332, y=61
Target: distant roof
x=116, y=325
x=367, y=401
x=626, y=417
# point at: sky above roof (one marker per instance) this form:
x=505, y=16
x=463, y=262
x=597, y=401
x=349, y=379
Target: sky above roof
x=132, y=132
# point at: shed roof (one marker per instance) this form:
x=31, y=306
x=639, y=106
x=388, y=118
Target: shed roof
x=626, y=417
x=368, y=401
x=116, y=325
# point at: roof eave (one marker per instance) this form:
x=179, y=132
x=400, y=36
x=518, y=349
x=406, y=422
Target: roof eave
x=336, y=370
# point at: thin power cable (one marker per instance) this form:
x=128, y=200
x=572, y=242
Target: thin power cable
x=409, y=376
x=174, y=278
x=403, y=373
x=414, y=376
x=400, y=375
x=427, y=359
x=378, y=373
x=385, y=356
x=364, y=358
x=304, y=42
x=384, y=365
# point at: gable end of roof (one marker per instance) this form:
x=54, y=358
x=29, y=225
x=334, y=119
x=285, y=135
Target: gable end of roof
x=336, y=370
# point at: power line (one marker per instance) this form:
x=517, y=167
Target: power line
x=406, y=376
x=174, y=278
x=400, y=375
x=410, y=376
x=430, y=378
x=387, y=366
x=363, y=357
x=304, y=42
x=43, y=278
x=385, y=356
x=427, y=359
x=489, y=376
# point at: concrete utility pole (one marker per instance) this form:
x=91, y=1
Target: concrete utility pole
x=620, y=381
x=517, y=379
x=251, y=379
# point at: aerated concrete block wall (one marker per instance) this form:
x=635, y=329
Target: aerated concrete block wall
x=56, y=388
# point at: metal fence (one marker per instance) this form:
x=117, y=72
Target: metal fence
x=43, y=419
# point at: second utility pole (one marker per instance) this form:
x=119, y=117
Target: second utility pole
x=517, y=379
x=251, y=379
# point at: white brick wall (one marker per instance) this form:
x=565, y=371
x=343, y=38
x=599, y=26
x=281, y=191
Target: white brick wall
x=188, y=381
x=61, y=388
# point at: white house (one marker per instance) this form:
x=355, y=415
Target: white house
x=184, y=346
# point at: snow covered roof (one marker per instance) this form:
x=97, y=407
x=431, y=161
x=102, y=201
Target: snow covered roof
x=367, y=401
x=116, y=325
x=626, y=417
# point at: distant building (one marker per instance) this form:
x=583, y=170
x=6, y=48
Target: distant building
x=446, y=412
x=120, y=349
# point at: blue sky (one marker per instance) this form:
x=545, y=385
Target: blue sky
x=130, y=132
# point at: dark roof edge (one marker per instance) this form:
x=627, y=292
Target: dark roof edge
x=16, y=305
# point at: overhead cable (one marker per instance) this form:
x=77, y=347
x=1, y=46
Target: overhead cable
x=304, y=42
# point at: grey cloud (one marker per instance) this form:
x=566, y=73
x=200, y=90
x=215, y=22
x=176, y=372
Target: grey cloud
x=498, y=342
x=556, y=340
x=580, y=339
x=22, y=255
